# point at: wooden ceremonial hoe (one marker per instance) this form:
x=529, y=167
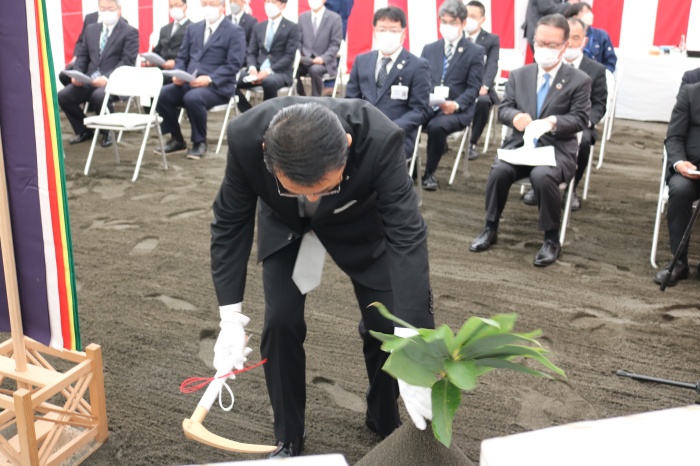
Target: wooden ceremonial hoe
x=195, y=430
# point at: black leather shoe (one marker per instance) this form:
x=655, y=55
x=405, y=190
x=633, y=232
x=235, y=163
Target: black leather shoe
x=575, y=202
x=198, y=150
x=78, y=138
x=473, y=153
x=171, y=147
x=529, y=198
x=430, y=183
x=287, y=450
x=486, y=238
x=107, y=139
x=548, y=253
x=680, y=272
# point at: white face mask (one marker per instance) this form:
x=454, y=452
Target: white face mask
x=471, y=26
x=315, y=4
x=211, y=13
x=235, y=8
x=546, y=57
x=587, y=18
x=449, y=33
x=572, y=54
x=271, y=10
x=109, y=18
x=388, y=42
x=177, y=13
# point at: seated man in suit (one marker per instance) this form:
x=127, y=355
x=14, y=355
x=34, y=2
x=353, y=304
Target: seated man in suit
x=90, y=18
x=546, y=103
x=391, y=78
x=683, y=150
x=691, y=77
x=106, y=46
x=599, y=100
x=333, y=180
x=241, y=18
x=476, y=15
x=599, y=47
x=213, y=50
x=271, y=54
x=321, y=32
x=171, y=36
x=456, y=74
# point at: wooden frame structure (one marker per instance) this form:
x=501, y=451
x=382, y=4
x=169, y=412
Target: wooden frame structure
x=42, y=400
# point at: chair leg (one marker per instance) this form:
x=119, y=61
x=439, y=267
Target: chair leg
x=588, y=174
x=657, y=222
x=488, y=130
x=160, y=140
x=128, y=106
x=459, y=155
x=418, y=180
x=567, y=212
x=606, y=136
x=415, y=152
x=92, y=152
x=140, y=157
x=223, y=125
x=116, y=151
x=182, y=113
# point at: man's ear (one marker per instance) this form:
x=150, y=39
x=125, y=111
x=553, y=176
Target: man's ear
x=349, y=139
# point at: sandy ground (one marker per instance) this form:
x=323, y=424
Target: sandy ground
x=146, y=296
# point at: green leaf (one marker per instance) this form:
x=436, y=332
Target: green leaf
x=490, y=344
x=470, y=328
x=510, y=351
x=388, y=315
x=384, y=337
x=445, y=400
x=505, y=364
x=506, y=321
x=422, y=354
x=461, y=374
x=400, y=366
x=391, y=342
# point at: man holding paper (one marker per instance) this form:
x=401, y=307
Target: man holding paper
x=205, y=71
x=546, y=104
x=170, y=38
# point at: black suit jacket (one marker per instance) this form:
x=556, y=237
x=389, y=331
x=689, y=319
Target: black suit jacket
x=599, y=88
x=168, y=46
x=492, y=47
x=691, y=77
x=373, y=221
x=683, y=134
x=536, y=9
x=283, y=49
x=90, y=18
x=569, y=99
x=121, y=49
x=408, y=70
x=464, y=75
x=247, y=22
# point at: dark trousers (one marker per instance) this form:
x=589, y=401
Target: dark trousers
x=270, y=86
x=584, y=153
x=196, y=102
x=545, y=181
x=682, y=192
x=438, y=128
x=71, y=98
x=315, y=72
x=282, y=344
x=481, y=117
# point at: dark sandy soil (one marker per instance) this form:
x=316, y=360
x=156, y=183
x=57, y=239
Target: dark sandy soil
x=145, y=295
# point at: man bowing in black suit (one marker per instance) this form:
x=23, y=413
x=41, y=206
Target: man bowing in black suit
x=326, y=176
x=546, y=103
x=106, y=46
x=456, y=75
x=476, y=15
x=391, y=78
x=171, y=36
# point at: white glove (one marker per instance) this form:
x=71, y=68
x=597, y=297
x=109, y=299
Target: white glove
x=230, y=351
x=418, y=400
x=535, y=130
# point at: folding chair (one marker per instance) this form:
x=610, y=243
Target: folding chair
x=607, y=122
x=415, y=165
x=232, y=104
x=342, y=68
x=508, y=60
x=465, y=135
x=289, y=90
x=619, y=71
x=661, y=204
x=132, y=82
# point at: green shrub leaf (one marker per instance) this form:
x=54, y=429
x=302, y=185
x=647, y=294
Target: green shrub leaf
x=505, y=364
x=445, y=400
x=400, y=366
x=388, y=315
x=461, y=373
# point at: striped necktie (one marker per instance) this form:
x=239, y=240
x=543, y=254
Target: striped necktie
x=383, y=72
x=448, y=57
x=103, y=39
x=542, y=94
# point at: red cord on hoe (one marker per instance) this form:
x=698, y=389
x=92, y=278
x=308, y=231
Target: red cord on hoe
x=193, y=384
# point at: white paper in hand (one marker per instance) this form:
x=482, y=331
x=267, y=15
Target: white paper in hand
x=250, y=78
x=533, y=157
x=78, y=76
x=153, y=58
x=179, y=74
x=436, y=100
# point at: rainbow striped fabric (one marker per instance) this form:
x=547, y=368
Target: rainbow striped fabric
x=31, y=141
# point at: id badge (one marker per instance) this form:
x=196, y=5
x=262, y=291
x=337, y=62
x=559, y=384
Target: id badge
x=442, y=91
x=399, y=92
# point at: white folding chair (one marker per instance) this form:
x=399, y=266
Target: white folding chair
x=415, y=165
x=232, y=104
x=619, y=71
x=465, y=135
x=342, y=68
x=660, y=205
x=508, y=60
x=132, y=82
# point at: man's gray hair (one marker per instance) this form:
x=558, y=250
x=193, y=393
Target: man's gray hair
x=116, y=2
x=454, y=8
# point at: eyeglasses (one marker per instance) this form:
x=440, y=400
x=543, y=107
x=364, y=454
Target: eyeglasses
x=550, y=45
x=286, y=193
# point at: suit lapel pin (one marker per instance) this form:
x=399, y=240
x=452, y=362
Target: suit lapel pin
x=558, y=86
x=460, y=50
x=399, y=66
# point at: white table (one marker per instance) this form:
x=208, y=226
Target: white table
x=650, y=84
x=668, y=438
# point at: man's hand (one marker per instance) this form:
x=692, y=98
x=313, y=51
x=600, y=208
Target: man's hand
x=75, y=82
x=483, y=91
x=521, y=120
x=449, y=107
x=169, y=65
x=99, y=81
x=317, y=61
x=252, y=71
x=200, y=81
x=683, y=167
x=178, y=81
x=262, y=75
x=229, y=350
x=535, y=130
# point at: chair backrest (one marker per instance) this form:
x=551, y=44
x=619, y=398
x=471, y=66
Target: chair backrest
x=508, y=60
x=153, y=40
x=130, y=81
x=342, y=58
x=612, y=90
x=297, y=60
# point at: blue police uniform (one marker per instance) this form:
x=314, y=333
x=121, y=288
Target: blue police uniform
x=600, y=48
